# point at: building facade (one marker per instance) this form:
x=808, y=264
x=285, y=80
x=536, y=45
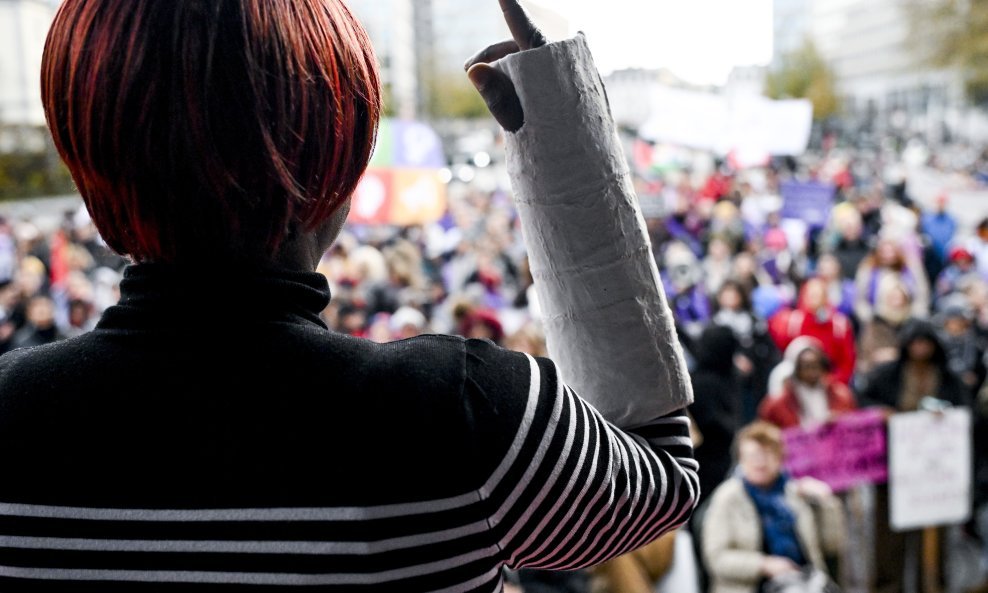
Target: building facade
x=886, y=85
x=391, y=26
x=24, y=26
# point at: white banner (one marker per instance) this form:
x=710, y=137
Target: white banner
x=930, y=469
x=742, y=123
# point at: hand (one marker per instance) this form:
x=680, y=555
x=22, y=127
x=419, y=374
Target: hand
x=493, y=85
x=775, y=566
x=813, y=489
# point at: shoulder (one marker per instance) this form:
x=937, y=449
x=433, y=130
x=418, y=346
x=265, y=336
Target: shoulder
x=884, y=372
x=485, y=394
x=729, y=496
x=41, y=363
x=772, y=406
x=436, y=361
x=431, y=362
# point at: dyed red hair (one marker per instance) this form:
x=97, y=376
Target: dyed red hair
x=203, y=128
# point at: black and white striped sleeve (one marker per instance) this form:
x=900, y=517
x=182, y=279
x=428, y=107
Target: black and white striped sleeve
x=573, y=490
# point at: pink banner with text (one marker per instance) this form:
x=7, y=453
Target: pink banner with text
x=849, y=451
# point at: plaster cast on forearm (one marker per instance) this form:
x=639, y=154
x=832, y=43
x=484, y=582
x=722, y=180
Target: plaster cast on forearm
x=608, y=326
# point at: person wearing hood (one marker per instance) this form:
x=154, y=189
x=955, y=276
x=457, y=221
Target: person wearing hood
x=921, y=371
x=810, y=396
x=815, y=317
x=716, y=408
x=782, y=371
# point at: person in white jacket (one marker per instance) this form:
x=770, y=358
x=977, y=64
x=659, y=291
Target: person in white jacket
x=761, y=525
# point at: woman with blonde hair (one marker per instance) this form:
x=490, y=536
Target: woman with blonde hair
x=762, y=525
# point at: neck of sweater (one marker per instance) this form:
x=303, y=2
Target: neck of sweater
x=166, y=296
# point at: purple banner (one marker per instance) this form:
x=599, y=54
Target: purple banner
x=416, y=146
x=849, y=451
x=809, y=201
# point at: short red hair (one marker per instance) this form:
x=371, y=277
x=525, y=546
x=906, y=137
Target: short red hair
x=210, y=127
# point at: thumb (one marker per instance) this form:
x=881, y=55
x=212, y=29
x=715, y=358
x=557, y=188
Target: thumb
x=499, y=94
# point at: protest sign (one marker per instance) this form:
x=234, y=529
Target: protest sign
x=844, y=453
x=810, y=201
x=930, y=469
x=746, y=123
x=402, y=185
x=399, y=197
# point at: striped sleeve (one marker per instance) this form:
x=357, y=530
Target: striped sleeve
x=573, y=490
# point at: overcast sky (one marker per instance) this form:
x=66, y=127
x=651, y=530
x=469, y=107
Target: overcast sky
x=700, y=40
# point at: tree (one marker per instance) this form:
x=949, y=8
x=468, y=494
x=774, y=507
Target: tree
x=451, y=95
x=954, y=34
x=27, y=170
x=803, y=74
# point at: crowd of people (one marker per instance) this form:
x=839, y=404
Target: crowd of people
x=784, y=325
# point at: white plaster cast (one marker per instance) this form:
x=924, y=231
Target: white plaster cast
x=608, y=327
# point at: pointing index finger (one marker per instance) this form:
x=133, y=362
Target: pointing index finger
x=526, y=34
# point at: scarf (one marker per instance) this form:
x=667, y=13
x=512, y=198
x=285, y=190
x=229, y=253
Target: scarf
x=778, y=520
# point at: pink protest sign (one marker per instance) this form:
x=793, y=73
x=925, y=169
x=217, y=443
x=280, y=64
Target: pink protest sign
x=849, y=451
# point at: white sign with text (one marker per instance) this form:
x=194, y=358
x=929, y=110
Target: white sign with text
x=930, y=469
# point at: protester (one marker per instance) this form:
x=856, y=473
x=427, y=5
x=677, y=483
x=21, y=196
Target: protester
x=809, y=397
x=762, y=525
x=960, y=271
x=889, y=260
x=965, y=349
x=211, y=432
x=920, y=370
x=716, y=410
x=731, y=254
x=879, y=341
x=816, y=318
x=757, y=354
x=920, y=375
x=840, y=290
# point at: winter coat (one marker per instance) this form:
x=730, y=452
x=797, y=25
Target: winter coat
x=733, y=543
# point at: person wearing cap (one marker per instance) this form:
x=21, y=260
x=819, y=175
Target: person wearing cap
x=961, y=269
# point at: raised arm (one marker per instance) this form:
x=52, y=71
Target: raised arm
x=602, y=461
x=608, y=326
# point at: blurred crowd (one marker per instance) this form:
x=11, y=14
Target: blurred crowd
x=784, y=325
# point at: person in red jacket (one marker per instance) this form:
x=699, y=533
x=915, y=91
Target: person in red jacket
x=809, y=397
x=816, y=318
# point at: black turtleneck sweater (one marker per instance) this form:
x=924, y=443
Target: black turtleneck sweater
x=212, y=434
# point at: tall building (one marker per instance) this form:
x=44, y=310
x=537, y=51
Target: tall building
x=880, y=73
x=24, y=26
x=425, y=49
x=391, y=26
